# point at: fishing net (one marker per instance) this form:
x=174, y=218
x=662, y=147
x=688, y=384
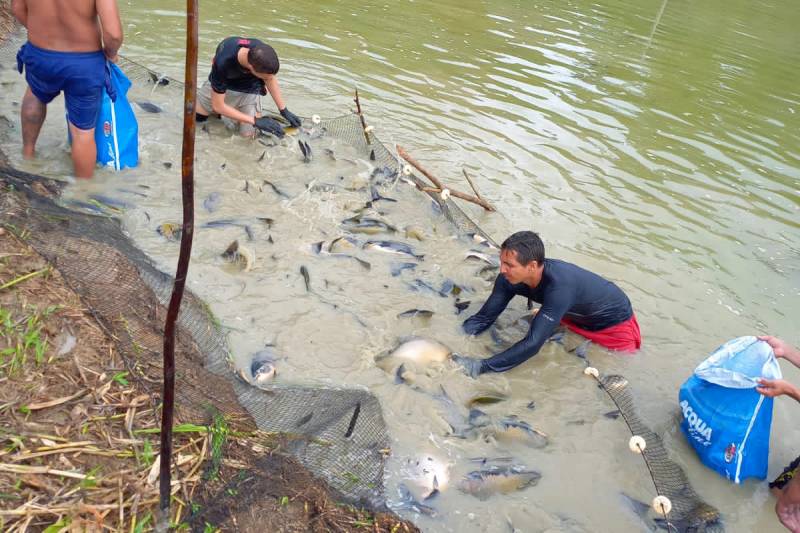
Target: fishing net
x=341, y=434
x=688, y=512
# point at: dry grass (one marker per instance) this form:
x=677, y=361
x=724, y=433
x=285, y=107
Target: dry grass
x=79, y=439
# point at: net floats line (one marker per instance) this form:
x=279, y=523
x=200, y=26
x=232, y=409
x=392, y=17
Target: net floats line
x=637, y=444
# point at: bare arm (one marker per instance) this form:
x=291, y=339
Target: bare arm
x=218, y=105
x=778, y=387
x=108, y=13
x=20, y=10
x=275, y=92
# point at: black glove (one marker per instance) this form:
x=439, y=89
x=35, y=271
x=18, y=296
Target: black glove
x=472, y=366
x=269, y=125
x=293, y=119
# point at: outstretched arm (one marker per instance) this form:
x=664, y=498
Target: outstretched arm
x=546, y=320
x=274, y=90
x=108, y=13
x=20, y=10
x=502, y=292
x=778, y=387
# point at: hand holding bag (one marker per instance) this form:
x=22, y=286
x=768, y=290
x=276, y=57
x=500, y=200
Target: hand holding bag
x=725, y=419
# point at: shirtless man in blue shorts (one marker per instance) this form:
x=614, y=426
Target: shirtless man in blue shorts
x=68, y=44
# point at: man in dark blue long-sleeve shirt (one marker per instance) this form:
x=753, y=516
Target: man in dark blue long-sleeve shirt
x=581, y=300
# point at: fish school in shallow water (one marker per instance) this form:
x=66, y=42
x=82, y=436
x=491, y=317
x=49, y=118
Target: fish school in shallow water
x=726, y=403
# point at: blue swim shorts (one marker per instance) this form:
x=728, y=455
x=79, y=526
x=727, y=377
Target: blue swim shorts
x=81, y=75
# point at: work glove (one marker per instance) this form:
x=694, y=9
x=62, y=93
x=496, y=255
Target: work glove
x=294, y=120
x=472, y=366
x=269, y=125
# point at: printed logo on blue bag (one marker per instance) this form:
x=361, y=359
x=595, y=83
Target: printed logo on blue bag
x=730, y=452
x=699, y=430
x=106, y=128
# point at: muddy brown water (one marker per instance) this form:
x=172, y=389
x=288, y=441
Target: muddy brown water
x=655, y=143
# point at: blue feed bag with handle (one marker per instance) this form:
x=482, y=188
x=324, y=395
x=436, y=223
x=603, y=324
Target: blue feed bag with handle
x=117, y=132
x=726, y=420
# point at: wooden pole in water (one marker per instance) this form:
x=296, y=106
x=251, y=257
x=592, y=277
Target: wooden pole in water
x=187, y=189
x=361, y=116
x=439, y=185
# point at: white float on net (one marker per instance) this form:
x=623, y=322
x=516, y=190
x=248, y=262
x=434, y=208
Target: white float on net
x=637, y=444
x=662, y=505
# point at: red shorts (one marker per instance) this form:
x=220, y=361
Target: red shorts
x=623, y=337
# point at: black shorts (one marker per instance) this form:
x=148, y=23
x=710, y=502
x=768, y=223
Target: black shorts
x=786, y=476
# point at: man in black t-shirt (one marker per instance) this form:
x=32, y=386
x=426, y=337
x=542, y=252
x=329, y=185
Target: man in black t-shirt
x=570, y=295
x=241, y=72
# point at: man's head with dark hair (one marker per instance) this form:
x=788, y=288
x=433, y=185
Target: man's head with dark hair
x=263, y=59
x=522, y=258
x=527, y=245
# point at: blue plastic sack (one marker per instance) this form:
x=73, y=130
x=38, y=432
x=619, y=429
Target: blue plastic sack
x=117, y=132
x=725, y=419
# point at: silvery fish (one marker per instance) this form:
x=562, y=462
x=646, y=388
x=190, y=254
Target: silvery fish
x=491, y=480
x=262, y=368
x=397, y=268
x=212, y=201
x=149, y=107
x=489, y=259
x=409, y=503
x=305, y=148
x=113, y=203
x=392, y=247
x=417, y=352
x=423, y=313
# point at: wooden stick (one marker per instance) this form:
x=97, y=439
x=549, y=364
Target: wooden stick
x=402, y=153
x=23, y=278
x=25, y=469
x=469, y=180
x=82, y=508
x=361, y=116
x=439, y=185
x=44, y=405
x=184, y=256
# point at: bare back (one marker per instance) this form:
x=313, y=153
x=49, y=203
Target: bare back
x=64, y=25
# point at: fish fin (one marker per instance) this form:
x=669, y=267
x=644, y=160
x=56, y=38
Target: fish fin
x=478, y=418
x=363, y=263
x=581, y=350
x=230, y=250
x=434, y=491
x=398, y=376
x=640, y=509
